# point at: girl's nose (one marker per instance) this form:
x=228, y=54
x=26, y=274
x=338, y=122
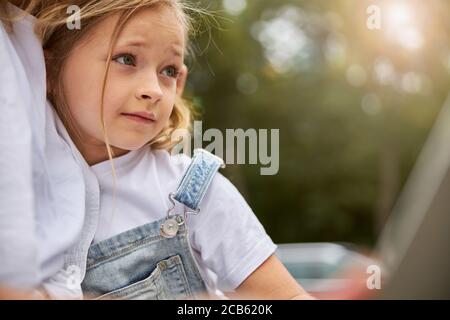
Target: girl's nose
x=150, y=90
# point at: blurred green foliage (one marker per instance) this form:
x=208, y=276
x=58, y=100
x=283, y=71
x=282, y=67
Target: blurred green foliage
x=353, y=105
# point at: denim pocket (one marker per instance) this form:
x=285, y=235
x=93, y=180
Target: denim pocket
x=167, y=281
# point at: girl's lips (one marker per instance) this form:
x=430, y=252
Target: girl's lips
x=142, y=114
x=138, y=118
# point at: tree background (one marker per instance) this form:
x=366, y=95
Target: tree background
x=353, y=105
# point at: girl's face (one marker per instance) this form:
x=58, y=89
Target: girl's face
x=145, y=76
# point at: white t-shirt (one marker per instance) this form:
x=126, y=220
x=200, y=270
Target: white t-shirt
x=42, y=192
x=227, y=239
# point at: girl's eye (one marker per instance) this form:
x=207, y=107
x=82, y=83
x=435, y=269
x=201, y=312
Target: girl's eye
x=171, y=71
x=127, y=59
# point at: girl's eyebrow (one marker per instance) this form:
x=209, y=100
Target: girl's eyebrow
x=134, y=43
x=176, y=51
x=142, y=44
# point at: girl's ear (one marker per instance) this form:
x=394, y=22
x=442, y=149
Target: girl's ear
x=181, y=80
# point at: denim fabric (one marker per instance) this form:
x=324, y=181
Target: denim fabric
x=197, y=178
x=143, y=264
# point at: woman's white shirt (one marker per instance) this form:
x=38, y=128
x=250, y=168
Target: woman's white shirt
x=42, y=191
x=18, y=250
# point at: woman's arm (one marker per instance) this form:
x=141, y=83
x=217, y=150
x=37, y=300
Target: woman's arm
x=270, y=281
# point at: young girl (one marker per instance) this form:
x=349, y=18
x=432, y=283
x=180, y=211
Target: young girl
x=156, y=226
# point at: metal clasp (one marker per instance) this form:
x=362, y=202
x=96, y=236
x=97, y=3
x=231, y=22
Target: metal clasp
x=169, y=228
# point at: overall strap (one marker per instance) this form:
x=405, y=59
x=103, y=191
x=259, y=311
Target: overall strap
x=197, y=179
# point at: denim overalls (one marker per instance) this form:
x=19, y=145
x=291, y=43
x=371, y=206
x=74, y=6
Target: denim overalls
x=155, y=260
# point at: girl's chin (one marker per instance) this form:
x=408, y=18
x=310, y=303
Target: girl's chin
x=122, y=148
x=128, y=141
